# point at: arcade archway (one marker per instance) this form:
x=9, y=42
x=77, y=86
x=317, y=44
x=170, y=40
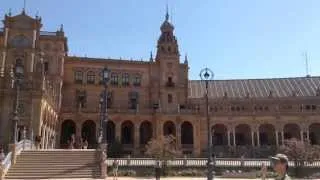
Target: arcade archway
x=68, y=127
x=88, y=132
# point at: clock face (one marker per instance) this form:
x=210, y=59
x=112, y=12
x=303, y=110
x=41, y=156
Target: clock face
x=20, y=41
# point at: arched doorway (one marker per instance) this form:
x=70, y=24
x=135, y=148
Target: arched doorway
x=186, y=133
x=127, y=133
x=68, y=127
x=243, y=135
x=314, y=133
x=88, y=132
x=169, y=128
x=145, y=132
x=220, y=137
x=111, y=132
x=267, y=134
x=291, y=131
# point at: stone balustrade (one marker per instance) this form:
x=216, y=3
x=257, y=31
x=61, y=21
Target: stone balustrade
x=202, y=162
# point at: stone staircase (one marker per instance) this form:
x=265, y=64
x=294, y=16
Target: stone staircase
x=44, y=164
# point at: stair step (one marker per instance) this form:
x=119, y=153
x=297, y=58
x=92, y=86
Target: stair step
x=57, y=170
x=53, y=177
x=55, y=164
x=55, y=160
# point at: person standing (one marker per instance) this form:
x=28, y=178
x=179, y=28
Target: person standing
x=158, y=169
x=115, y=165
x=280, y=164
x=85, y=144
x=263, y=171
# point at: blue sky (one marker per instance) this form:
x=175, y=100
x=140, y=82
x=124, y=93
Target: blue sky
x=236, y=39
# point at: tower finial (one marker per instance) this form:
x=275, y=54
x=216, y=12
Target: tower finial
x=9, y=12
x=37, y=14
x=61, y=27
x=24, y=7
x=186, y=59
x=151, y=57
x=167, y=12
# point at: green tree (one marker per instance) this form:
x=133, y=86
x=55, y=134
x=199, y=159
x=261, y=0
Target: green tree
x=300, y=152
x=115, y=149
x=162, y=148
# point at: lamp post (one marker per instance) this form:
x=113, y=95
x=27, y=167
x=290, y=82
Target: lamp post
x=102, y=140
x=206, y=74
x=17, y=77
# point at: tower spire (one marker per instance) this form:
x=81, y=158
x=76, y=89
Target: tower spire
x=167, y=12
x=24, y=7
x=186, y=59
x=151, y=57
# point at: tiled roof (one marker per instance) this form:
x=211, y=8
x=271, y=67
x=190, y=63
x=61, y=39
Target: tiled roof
x=258, y=88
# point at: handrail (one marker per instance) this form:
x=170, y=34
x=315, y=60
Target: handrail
x=7, y=162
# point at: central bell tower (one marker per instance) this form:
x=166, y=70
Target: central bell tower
x=171, y=76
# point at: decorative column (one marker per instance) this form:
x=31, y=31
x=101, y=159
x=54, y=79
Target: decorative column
x=43, y=135
x=301, y=135
x=252, y=138
x=282, y=137
x=277, y=138
x=178, y=135
x=197, y=139
x=118, y=131
x=78, y=129
x=228, y=134
x=258, y=137
x=234, y=136
x=136, y=140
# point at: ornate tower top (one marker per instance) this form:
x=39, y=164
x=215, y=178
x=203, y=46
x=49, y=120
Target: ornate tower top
x=166, y=25
x=167, y=42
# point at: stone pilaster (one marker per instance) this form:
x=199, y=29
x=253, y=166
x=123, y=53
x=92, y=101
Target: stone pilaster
x=136, y=139
x=118, y=130
x=196, y=139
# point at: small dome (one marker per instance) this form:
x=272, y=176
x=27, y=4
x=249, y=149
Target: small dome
x=167, y=26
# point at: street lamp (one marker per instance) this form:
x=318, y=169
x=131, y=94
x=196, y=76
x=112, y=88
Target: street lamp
x=206, y=75
x=102, y=140
x=18, y=75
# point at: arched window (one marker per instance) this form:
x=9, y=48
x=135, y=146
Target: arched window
x=133, y=99
x=19, y=61
x=137, y=80
x=78, y=77
x=125, y=79
x=169, y=98
x=46, y=67
x=91, y=77
x=114, y=79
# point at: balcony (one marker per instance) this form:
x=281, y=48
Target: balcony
x=170, y=84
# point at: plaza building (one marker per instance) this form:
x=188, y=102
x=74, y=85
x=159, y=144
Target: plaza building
x=60, y=96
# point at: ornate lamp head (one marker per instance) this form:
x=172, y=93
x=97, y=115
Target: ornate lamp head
x=206, y=74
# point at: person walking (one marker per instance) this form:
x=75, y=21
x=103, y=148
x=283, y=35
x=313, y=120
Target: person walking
x=115, y=165
x=281, y=166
